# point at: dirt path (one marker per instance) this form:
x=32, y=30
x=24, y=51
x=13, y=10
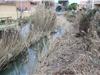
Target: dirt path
x=67, y=55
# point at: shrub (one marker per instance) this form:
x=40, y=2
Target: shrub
x=72, y=6
x=11, y=43
x=85, y=20
x=43, y=20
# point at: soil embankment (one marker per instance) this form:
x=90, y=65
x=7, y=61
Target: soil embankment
x=68, y=55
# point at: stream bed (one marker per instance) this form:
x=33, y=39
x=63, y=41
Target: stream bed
x=26, y=62
x=23, y=65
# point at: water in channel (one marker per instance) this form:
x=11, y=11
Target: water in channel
x=26, y=62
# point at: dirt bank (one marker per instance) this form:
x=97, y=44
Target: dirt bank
x=67, y=55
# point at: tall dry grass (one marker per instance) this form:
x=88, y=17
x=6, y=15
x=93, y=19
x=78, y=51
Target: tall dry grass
x=10, y=46
x=11, y=43
x=42, y=22
x=89, y=25
x=43, y=19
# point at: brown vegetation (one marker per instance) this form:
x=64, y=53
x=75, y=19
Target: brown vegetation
x=74, y=56
x=11, y=43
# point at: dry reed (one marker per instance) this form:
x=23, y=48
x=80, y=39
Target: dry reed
x=11, y=43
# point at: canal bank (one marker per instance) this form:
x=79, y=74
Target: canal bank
x=25, y=63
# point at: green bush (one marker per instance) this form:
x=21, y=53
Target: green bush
x=72, y=6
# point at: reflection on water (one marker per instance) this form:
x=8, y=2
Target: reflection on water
x=26, y=63
x=59, y=33
x=22, y=66
x=24, y=32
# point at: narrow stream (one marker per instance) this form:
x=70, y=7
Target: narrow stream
x=25, y=63
x=22, y=65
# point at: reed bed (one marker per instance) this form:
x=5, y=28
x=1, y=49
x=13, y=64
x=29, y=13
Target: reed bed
x=42, y=22
x=12, y=44
x=43, y=19
x=73, y=55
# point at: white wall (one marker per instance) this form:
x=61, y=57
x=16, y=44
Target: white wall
x=8, y=11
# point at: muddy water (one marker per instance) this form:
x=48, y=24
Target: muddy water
x=26, y=63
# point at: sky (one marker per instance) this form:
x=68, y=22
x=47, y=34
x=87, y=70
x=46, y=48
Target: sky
x=71, y=1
